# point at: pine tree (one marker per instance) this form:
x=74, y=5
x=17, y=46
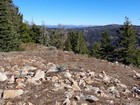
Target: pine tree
x=95, y=50
x=25, y=33
x=9, y=37
x=106, y=49
x=76, y=43
x=127, y=43
x=81, y=44
x=68, y=46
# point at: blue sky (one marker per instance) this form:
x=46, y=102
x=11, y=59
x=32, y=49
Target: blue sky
x=79, y=12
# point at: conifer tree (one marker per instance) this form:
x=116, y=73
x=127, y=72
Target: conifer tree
x=127, y=43
x=9, y=26
x=68, y=46
x=106, y=49
x=95, y=50
x=25, y=33
x=76, y=43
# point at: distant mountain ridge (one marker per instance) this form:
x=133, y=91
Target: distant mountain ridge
x=93, y=33
x=68, y=26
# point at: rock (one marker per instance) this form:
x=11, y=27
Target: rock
x=26, y=68
x=12, y=79
x=82, y=74
x=137, y=75
x=3, y=77
x=20, y=85
x=110, y=102
x=12, y=93
x=1, y=92
x=73, y=103
x=113, y=92
x=58, y=86
x=54, y=79
x=105, y=77
x=52, y=68
x=29, y=103
x=19, y=80
x=77, y=98
x=67, y=74
x=89, y=98
x=136, y=90
x=88, y=80
x=91, y=74
x=32, y=81
x=39, y=75
x=67, y=101
x=75, y=86
x=82, y=83
x=126, y=92
x=69, y=93
x=57, y=103
x=122, y=85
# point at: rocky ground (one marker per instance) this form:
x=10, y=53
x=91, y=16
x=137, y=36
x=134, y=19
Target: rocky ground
x=50, y=77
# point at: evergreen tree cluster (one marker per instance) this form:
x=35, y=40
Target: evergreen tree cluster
x=126, y=50
x=75, y=42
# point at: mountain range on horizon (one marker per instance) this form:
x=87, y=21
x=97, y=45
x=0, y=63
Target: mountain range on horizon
x=84, y=26
x=93, y=33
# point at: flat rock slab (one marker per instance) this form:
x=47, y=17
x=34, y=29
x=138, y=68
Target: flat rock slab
x=12, y=93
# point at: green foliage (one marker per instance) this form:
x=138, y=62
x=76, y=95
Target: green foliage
x=35, y=33
x=44, y=36
x=9, y=26
x=57, y=38
x=106, y=49
x=95, y=50
x=75, y=42
x=25, y=33
x=137, y=59
x=68, y=46
x=127, y=43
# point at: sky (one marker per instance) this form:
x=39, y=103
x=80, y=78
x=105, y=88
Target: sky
x=79, y=12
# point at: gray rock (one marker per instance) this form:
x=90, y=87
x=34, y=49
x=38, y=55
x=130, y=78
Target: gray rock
x=89, y=98
x=52, y=68
x=136, y=90
x=113, y=92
